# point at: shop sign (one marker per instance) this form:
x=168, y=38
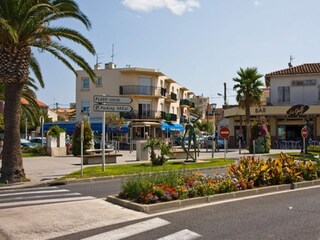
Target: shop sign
x=297, y=110
x=304, y=83
x=260, y=110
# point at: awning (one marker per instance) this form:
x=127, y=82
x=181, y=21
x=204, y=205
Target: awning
x=172, y=127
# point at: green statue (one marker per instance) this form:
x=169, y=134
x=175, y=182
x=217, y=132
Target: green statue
x=190, y=132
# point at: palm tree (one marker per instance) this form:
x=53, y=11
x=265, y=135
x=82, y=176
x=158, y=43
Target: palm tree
x=248, y=87
x=25, y=26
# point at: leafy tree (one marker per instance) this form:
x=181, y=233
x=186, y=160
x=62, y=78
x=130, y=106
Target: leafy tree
x=25, y=26
x=76, y=138
x=248, y=87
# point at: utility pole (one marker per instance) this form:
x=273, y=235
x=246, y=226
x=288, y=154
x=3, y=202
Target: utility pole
x=225, y=93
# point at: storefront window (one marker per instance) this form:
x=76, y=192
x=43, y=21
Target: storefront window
x=282, y=132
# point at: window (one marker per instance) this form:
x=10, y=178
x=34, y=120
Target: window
x=144, y=110
x=85, y=83
x=318, y=93
x=85, y=107
x=99, y=82
x=145, y=85
x=284, y=94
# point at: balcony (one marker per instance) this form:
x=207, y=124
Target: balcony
x=171, y=97
x=136, y=114
x=142, y=90
x=169, y=116
x=187, y=103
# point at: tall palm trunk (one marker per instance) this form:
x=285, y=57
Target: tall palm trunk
x=248, y=127
x=12, y=167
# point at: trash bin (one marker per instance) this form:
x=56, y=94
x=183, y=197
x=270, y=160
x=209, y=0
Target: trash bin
x=142, y=152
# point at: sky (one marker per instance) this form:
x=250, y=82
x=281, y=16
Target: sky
x=199, y=43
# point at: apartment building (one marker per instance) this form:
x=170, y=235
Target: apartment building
x=158, y=104
x=291, y=101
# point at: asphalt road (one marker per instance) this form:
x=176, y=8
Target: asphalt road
x=291, y=215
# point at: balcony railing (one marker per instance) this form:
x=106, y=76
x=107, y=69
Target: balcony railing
x=149, y=115
x=142, y=115
x=186, y=102
x=169, y=116
x=141, y=90
x=172, y=96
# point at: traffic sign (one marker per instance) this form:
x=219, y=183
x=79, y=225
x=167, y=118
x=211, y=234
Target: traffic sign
x=111, y=99
x=111, y=108
x=224, y=132
x=304, y=132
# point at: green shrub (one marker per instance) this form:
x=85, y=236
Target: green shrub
x=55, y=131
x=39, y=150
x=76, y=139
x=313, y=148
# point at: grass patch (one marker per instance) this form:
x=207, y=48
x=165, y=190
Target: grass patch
x=126, y=169
x=30, y=154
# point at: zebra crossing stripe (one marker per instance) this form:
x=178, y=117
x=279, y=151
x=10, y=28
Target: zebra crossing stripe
x=182, y=235
x=32, y=192
x=34, y=202
x=27, y=189
x=130, y=230
x=40, y=196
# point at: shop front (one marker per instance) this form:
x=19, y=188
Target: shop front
x=284, y=124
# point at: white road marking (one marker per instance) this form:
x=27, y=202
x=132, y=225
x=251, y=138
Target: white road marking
x=35, y=202
x=41, y=196
x=182, y=235
x=32, y=192
x=130, y=230
x=27, y=189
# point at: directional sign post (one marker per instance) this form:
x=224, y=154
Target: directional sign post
x=109, y=104
x=304, y=135
x=225, y=133
x=111, y=99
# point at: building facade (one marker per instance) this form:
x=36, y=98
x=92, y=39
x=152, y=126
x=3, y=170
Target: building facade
x=290, y=102
x=156, y=99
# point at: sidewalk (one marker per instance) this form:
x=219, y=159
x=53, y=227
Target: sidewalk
x=45, y=169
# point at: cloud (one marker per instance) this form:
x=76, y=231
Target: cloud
x=178, y=7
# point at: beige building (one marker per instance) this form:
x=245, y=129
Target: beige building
x=158, y=102
x=290, y=102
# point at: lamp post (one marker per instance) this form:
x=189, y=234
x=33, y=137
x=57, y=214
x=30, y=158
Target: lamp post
x=41, y=120
x=213, y=105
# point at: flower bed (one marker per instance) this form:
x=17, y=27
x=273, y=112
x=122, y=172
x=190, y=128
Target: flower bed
x=249, y=173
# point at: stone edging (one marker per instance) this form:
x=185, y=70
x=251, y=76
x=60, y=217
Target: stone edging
x=164, y=206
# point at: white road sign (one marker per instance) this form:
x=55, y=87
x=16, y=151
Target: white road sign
x=111, y=99
x=111, y=108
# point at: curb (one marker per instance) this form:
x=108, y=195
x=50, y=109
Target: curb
x=179, y=204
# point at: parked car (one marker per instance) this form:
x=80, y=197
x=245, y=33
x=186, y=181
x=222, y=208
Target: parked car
x=26, y=143
x=39, y=141
x=208, y=142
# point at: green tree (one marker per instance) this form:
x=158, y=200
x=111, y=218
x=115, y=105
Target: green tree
x=76, y=138
x=25, y=26
x=248, y=87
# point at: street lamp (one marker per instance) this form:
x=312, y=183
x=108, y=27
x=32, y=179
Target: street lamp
x=41, y=120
